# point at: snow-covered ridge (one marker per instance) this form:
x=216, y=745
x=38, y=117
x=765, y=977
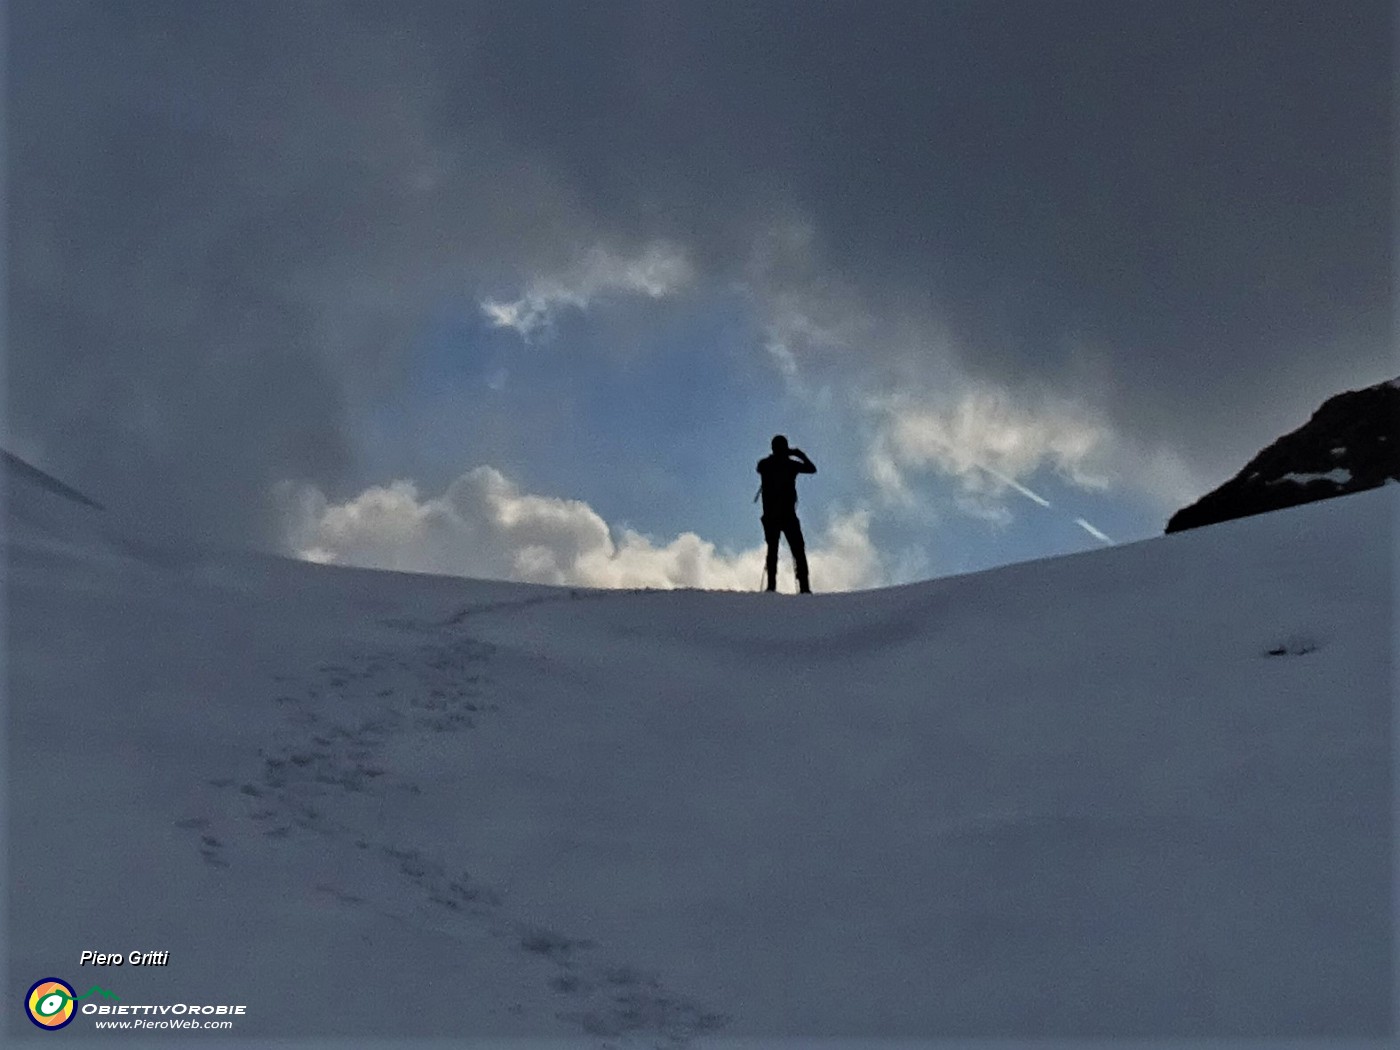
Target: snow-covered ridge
x=1139, y=792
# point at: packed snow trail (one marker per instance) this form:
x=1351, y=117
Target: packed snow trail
x=1143, y=792
x=351, y=727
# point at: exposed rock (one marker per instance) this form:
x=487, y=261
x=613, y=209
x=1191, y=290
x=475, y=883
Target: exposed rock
x=1350, y=444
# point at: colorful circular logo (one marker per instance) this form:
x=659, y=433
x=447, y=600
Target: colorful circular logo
x=50, y=1003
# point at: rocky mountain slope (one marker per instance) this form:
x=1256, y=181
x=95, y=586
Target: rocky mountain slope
x=1350, y=444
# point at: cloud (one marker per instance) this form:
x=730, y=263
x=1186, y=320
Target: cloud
x=915, y=388
x=985, y=440
x=658, y=270
x=484, y=526
x=816, y=327
x=230, y=227
x=963, y=440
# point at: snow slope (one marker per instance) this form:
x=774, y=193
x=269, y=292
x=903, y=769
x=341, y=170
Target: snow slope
x=1141, y=792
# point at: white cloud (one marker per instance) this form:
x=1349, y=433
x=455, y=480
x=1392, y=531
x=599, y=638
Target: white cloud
x=485, y=526
x=986, y=506
x=902, y=379
x=810, y=318
x=987, y=441
x=661, y=269
x=885, y=365
x=988, y=431
x=885, y=470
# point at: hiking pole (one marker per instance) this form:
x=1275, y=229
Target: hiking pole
x=762, y=573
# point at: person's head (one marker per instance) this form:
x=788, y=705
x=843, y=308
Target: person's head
x=780, y=444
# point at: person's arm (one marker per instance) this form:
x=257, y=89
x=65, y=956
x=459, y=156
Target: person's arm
x=807, y=466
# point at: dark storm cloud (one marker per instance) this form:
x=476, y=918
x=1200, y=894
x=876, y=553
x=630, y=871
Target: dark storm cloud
x=1202, y=188
x=223, y=232
x=226, y=219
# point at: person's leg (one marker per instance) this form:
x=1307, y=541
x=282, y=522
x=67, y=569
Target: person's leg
x=799, y=553
x=771, y=534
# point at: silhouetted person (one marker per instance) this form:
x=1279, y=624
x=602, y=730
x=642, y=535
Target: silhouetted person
x=779, y=491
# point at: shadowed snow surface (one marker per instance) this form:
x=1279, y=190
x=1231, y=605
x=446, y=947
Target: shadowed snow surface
x=1142, y=792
